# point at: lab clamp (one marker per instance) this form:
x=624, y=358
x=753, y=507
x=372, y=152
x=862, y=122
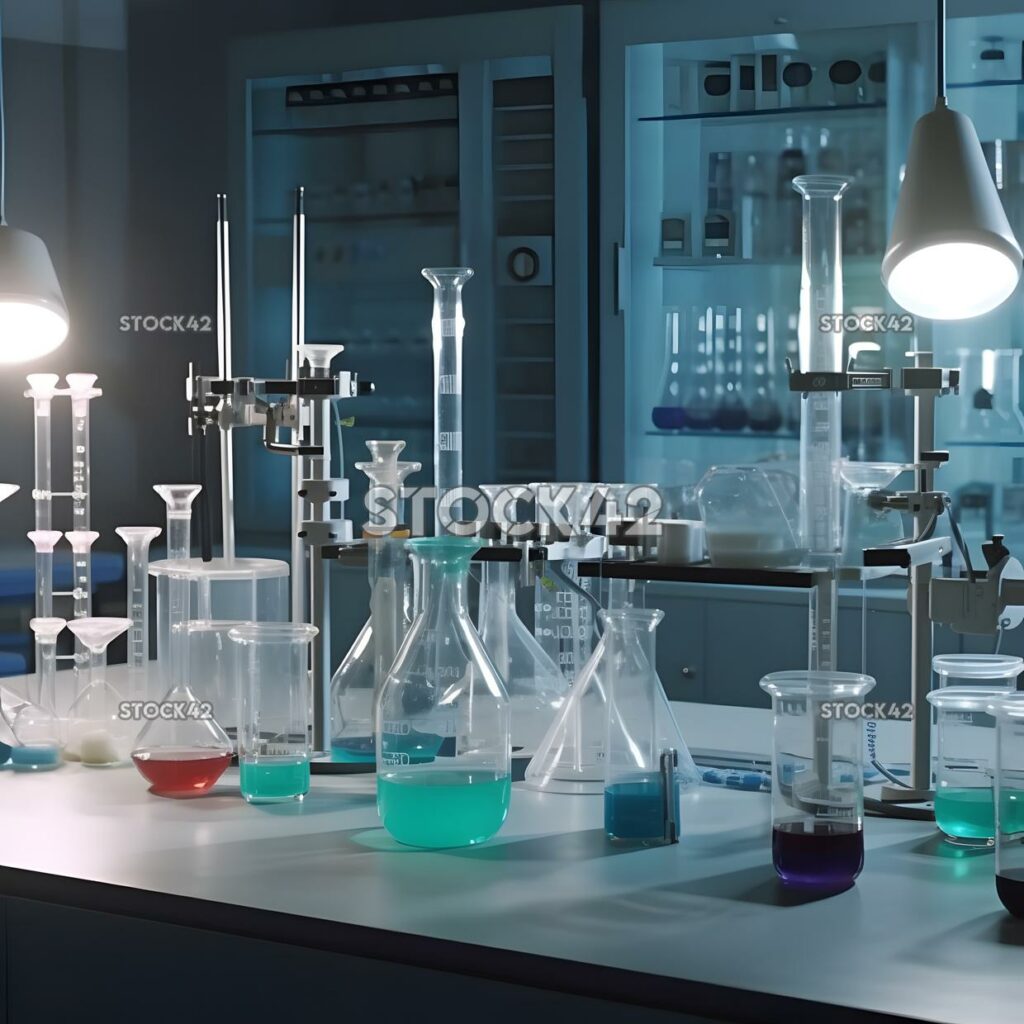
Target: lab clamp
x=299, y=406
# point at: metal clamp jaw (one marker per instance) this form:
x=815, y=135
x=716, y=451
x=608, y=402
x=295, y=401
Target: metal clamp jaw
x=984, y=604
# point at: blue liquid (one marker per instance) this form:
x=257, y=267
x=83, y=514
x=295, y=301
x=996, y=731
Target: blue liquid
x=634, y=811
x=353, y=750
x=828, y=855
x=274, y=779
x=418, y=747
x=5, y=753
x=38, y=758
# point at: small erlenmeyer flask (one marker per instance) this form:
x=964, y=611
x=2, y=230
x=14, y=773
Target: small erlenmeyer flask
x=99, y=734
x=183, y=751
x=642, y=748
x=35, y=724
x=442, y=717
x=352, y=687
x=533, y=681
x=668, y=413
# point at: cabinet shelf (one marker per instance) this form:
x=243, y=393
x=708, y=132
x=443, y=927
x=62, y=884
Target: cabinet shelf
x=990, y=83
x=852, y=263
x=747, y=435
x=736, y=115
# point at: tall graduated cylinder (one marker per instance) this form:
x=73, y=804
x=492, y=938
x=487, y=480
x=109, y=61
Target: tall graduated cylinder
x=276, y=709
x=442, y=720
x=817, y=778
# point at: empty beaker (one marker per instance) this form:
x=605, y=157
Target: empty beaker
x=817, y=779
x=1008, y=711
x=100, y=733
x=965, y=763
x=277, y=716
x=991, y=671
x=35, y=723
x=641, y=785
x=442, y=717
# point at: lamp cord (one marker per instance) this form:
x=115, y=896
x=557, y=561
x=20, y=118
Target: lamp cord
x=940, y=50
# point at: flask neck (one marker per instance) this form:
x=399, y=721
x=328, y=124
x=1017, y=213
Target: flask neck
x=442, y=589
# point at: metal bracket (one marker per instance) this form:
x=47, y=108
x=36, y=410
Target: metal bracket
x=320, y=492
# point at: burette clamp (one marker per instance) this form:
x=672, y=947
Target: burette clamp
x=837, y=380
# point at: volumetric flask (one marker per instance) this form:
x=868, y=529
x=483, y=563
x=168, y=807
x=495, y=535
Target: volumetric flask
x=442, y=717
x=1008, y=711
x=817, y=779
x=274, y=681
x=965, y=763
x=641, y=785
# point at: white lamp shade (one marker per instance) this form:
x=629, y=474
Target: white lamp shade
x=952, y=253
x=33, y=316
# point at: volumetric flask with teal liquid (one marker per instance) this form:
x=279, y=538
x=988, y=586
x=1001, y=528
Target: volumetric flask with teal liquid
x=442, y=719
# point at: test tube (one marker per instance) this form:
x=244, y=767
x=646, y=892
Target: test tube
x=179, y=499
x=447, y=326
x=42, y=388
x=137, y=539
x=43, y=541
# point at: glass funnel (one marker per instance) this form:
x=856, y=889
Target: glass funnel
x=384, y=502
x=817, y=776
x=183, y=751
x=442, y=717
x=99, y=735
x=643, y=747
x=277, y=715
x=447, y=325
x=35, y=724
x=1008, y=711
x=867, y=523
x=534, y=684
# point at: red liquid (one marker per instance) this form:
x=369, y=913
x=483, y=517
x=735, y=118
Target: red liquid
x=182, y=771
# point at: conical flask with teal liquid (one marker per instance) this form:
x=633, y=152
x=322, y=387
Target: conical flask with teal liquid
x=442, y=718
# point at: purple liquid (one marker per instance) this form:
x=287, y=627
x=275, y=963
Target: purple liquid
x=668, y=417
x=1010, y=889
x=830, y=856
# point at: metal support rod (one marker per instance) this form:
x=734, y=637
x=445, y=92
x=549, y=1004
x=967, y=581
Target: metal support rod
x=227, y=463
x=298, y=547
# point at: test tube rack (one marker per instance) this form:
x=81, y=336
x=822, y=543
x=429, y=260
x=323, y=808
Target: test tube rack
x=80, y=390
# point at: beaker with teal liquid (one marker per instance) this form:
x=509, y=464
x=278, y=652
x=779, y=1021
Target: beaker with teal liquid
x=442, y=718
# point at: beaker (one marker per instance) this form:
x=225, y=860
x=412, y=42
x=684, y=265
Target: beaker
x=748, y=518
x=867, y=523
x=183, y=751
x=817, y=778
x=137, y=540
x=1008, y=791
x=35, y=724
x=442, y=717
x=534, y=684
x=641, y=787
x=99, y=733
x=277, y=715
x=965, y=763
x=447, y=326
x=991, y=671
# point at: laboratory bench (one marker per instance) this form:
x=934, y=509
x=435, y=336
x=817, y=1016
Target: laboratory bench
x=200, y=908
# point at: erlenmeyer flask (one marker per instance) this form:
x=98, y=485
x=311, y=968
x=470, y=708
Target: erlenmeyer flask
x=643, y=749
x=352, y=687
x=98, y=734
x=698, y=399
x=35, y=723
x=443, y=705
x=533, y=681
x=668, y=413
x=571, y=757
x=185, y=753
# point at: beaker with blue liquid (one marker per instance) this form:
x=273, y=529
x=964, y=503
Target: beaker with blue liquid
x=442, y=718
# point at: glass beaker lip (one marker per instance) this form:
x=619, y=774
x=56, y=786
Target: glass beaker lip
x=978, y=666
x=637, y=617
x=272, y=632
x=804, y=682
x=437, y=273
x=209, y=625
x=821, y=184
x=1007, y=705
x=220, y=568
x=965, y=698
x=132, y=532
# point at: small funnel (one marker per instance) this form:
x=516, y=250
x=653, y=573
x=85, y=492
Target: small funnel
x=870, y=476
x=44, y=541
x=81, y=541
x=139, y=537
x=42, y=385
x=178, y=498
x=82, y=385
x=97, y=633
x=47, y=629
x=319, y=356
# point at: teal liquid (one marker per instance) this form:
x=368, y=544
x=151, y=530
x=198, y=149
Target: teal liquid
x=38, y=758
x=443, y=808
x=418, y=747
x=272, y=779
x=415, y=747
x=353, y=750
x=634, y=809
x=966, y=813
